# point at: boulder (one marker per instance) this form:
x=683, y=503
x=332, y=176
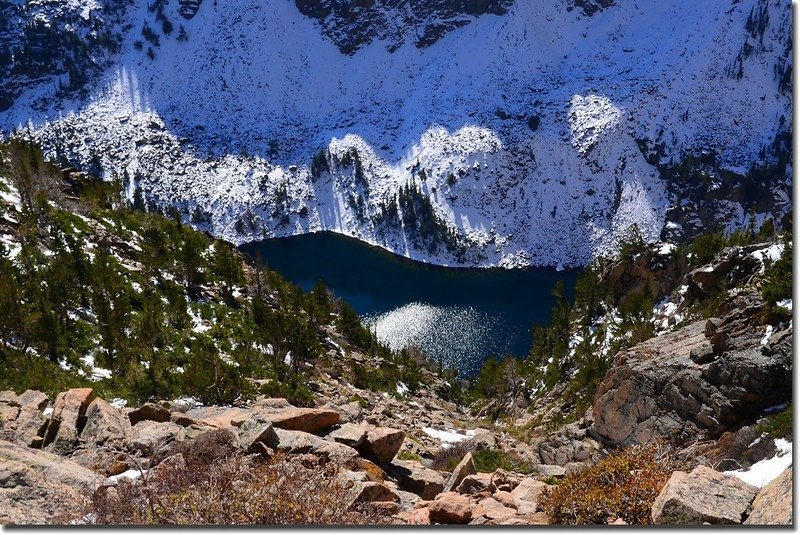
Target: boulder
x=372, y=491
x=183, y=419
x=704, y=495
x=9, y=410
x=474, y=483
x=381, y=444
x=773, y=504
x=302, y=419
x=506, y=498
x=254, y=432
x=505, y=480
x=450, y=508
x=534, y=519
x=350, y=412
x=526, y=495
x=550, y=470
x=104, y=423
x=416, y=517
x=149, y=412
x=349, y=434
x=30, y=426
x=67, y=420
x=299, y=442
x=33, y=398
x=149, y=437
x=414, y=477
x=494, y=510
x=463, y=469
x=38, y=487
x=219, y=416
x=102, y=461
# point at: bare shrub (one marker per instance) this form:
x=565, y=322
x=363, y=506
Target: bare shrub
x=234, y=490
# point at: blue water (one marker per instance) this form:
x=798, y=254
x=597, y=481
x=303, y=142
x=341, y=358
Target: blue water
x=457, y=316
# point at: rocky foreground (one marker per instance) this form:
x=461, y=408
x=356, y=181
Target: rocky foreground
x=58, y=459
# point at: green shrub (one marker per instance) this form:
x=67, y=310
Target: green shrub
x=406, y=455
x=778, y=425
x=488, y=460
x=706, y=247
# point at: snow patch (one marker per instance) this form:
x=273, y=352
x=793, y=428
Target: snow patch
x=449, y=437
x=764, y=471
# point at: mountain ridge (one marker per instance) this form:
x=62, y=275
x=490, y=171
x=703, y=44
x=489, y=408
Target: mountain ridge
x=536, y=137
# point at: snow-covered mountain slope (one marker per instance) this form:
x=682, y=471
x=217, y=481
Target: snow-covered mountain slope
x=533, y=137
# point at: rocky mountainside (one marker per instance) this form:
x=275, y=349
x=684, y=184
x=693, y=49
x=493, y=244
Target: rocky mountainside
x=473, y=133
x=145, y=366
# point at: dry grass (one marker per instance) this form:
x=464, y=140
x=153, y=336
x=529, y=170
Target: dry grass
x=624, y=485
x=233, y=490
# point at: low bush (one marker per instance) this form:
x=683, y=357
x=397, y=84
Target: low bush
x=778, y=425
x=233, y=491
x=624, y=485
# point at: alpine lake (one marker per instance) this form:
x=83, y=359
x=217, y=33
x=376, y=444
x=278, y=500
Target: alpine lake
x=457, y=316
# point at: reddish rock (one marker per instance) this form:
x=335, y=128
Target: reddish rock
x=465, y=468
x=704, y=495
x=773, y=504
x=450, y=508
x=416, y=517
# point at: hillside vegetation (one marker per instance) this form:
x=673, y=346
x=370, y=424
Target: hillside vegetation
x=140, y=306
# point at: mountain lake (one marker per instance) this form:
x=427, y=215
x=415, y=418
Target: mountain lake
x=457, y=316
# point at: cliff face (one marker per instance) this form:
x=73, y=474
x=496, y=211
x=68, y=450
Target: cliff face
x=526, y=135
x=354, y=25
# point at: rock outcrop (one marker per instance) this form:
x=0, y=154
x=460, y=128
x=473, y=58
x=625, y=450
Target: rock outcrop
x=67, y=420
x=351, y=26
x=38, y=487
x=773, y=504
x=703, y=496
x=658, y=390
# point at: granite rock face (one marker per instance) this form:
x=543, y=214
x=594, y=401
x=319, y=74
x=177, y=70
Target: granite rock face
x=353, y=25
x=773, y=504
x=704, y=495
x=658, y=390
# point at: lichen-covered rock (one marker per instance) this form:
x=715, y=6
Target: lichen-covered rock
x=38, y=487
x=773, y=504
x=104, y=423
x=657, y=390
x=704, y=495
